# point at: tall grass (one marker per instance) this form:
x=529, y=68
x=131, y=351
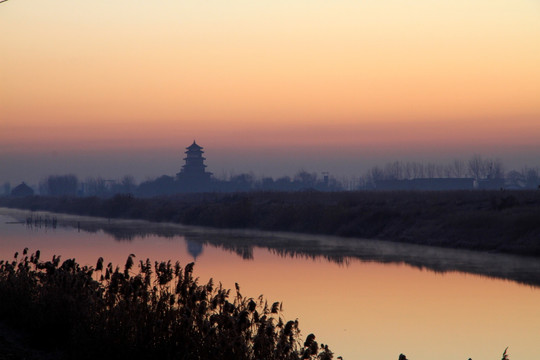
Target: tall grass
x=159, y=311
x=150, y=311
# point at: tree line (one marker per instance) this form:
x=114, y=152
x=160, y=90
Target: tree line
x=476, y=168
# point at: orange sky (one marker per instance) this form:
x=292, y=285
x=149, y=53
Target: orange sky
x=455, y=77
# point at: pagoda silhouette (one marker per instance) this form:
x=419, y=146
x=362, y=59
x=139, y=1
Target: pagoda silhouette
x=194, y=170
x=194, y=248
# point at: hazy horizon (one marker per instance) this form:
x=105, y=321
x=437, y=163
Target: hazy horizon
x=152, y=164
x=114, y=88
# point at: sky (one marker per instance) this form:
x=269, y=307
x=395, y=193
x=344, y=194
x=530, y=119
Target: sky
x=109, y=88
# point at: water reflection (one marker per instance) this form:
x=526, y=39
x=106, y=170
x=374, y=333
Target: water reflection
x=194, y=248
x=338, y=250
x=367, y=299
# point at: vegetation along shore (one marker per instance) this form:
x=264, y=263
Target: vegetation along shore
x=495, y=221
x=158, y=311
x=63, y=310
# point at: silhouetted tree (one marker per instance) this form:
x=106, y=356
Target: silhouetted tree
x=96, y=187
x=477, y=167
x=7, y=188
x=431, y=170
x=515, y=179
x=242, y=182
x=417, y=170
x=125, y=186
x=532, y=178
x=266, y=183
x=283, y=183
x=457, y=168
x=305, y=180
x=494, y=169
x=59, y=185
x=161, y=186
x=376, y=174
x=393, y=171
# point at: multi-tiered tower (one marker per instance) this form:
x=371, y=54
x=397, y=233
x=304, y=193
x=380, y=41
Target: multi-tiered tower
x=194, y=168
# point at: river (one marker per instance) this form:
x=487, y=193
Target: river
x=367, y=299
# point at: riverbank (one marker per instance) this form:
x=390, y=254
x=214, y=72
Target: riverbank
x=340, y=250
x=494, y=221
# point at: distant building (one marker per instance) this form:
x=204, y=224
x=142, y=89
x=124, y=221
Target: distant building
x=429, y=184
x=22, y=190
x=491, y=184
x=194, y=170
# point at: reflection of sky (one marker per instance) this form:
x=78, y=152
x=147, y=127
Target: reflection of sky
x=362, y=310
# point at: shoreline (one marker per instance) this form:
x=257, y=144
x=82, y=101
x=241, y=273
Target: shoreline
x=486, y=221
x=525, y=270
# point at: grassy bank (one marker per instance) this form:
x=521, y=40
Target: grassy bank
x=480, y=220
x=159, y=311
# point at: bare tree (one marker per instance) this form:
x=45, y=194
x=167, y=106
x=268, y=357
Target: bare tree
x=515, y=178
x=96, y=187
x=532, y=177
x=59, y=185
x=430, y=170
x=374, y=175
x=306, y=179
x=393, y=171
x=7, y=188
x=477, y=167
x=457, y=168
x=418, y=170
x=128, y=184
x=439, y=171
x=408, y=172
x=494, y=169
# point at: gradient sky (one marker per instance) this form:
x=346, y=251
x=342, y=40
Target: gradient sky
x=122, y=87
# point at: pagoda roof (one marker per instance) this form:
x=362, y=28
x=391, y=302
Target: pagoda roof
x=22, y=190
x=194, y=146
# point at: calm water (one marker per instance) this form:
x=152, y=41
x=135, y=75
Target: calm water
x=366, y=299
